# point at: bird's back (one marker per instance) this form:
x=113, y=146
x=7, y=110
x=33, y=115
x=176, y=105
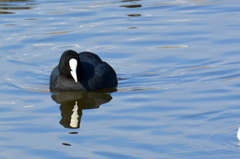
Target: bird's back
x=90, y=58
x=100, y=74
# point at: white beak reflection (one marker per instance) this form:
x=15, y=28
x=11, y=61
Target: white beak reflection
x=74, y=117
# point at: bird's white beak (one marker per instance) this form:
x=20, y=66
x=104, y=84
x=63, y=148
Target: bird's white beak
x=73, y=65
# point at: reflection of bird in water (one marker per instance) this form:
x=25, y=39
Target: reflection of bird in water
x=72, y=104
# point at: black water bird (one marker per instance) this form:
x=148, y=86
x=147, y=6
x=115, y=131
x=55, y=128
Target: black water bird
x=83, y=71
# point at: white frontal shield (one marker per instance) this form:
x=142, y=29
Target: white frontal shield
x=73, y=65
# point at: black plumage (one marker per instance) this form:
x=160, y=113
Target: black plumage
x=92, y=73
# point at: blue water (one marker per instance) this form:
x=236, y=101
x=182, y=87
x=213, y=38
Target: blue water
x=178, y=68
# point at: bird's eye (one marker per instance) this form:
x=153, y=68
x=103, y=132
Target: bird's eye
x=67, y=64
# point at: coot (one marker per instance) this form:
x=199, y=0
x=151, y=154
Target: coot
x=83, y=71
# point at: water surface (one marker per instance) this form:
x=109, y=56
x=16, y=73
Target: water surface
x=178, y=68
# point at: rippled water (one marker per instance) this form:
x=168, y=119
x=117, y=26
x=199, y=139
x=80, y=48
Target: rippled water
x=178, y=68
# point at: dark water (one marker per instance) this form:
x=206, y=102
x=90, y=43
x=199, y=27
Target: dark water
x=179, y=79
